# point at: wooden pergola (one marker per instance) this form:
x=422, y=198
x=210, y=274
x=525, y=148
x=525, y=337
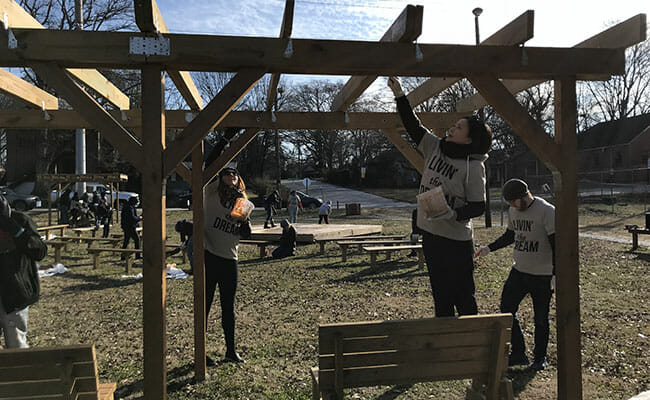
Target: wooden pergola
x=498, y=68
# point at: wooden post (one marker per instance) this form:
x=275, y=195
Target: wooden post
x=566, y=238
x=153, y=182
x=199, y=268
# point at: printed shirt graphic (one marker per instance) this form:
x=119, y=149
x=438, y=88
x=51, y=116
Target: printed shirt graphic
x=458, y=186
x=532, y=251
x=221, y=230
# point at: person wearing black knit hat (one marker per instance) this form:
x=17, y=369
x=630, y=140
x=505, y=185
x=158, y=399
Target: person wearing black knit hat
x=20, y=247
x=455, y=164
x=531, y=227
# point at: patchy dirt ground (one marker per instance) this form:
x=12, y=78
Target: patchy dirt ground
x=281, y=303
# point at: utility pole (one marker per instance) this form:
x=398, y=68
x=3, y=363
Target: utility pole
x=80, y=134
x=488, y=212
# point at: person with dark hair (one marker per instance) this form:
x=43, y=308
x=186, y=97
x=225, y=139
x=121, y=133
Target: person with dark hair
x=287, y=241
x=270, y=203
x=185, y=229
x=455, y=164
x=20, y=247
x=64, y=205
x=104, y=214
x=223, y=229
x=531, y=227
x=129, y=222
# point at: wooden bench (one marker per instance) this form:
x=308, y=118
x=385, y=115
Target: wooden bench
x=61, y=228
x=90, y=229
x=261, y=245
x=121, y=234
x=323, y=241
x=344, y=244
x=90, y=240
x=374, y=250
x=128, y=253
x=398, y=352
x=58, y=245
x=636, y=231
x=66, y=372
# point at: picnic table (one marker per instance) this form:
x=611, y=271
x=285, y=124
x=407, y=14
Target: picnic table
x=323, y=241
x=344, y=244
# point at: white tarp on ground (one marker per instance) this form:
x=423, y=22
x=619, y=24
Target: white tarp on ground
x=55, y=269
x=642, y=396
x=172, y=273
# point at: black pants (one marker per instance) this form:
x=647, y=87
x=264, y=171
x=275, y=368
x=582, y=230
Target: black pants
x=325, y=218
x=130, y=233
x=517, y=286
x=451, y=272
x=223, y=272
x=269, y=214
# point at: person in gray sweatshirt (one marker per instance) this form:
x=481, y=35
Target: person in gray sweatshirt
x=456, y=164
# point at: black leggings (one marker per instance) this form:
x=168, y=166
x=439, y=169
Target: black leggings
x=451, y=273
x=222, y=271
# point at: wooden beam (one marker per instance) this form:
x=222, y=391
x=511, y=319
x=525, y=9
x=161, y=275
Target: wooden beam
x=19, y=18
x=408, y=151
x=566, y=238
x=184, y=172
x=310, y=56
x=211, y=116
x=101, y=120
x=199, y=263
x=285, y=32
x=622, y=35
x=25, y=92
x=517, y=32
x=229, y=154
x=177, y=119
x=518, y=118
x=150, y=20
x=406, y=28
x=153, y=205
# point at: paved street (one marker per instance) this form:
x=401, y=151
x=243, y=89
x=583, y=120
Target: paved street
x=325, y=192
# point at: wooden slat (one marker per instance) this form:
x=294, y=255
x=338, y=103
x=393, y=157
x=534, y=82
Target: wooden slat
x=210, y=117
x=176, y=119
x=403, y=146
x=229, y=154
x=389, y=248
x=414, y=326
x=622, y=35
x=368, y=242
x=199, y=263
x=448, y=354
x=310, y=56
x=518, y=118
x=395, y=375
x=375, y=343
x=498, y=362
x=566, y=252
x=18, y=357
x=19, y=18
x=119, y=137
x=154, y=233
x=406, y=28
x=38, y=371
x=23, y=91
x=517, y=32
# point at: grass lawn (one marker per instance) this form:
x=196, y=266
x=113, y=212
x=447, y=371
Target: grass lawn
x=280, y=304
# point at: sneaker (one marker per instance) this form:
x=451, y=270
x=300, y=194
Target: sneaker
x=233, y=357
x=517, y=359
x=539, y=365
x=210, y=362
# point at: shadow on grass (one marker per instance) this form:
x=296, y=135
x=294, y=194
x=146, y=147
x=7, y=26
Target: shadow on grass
x=96, y=282
x=177, y=379
x=384, y=271
x=641, y=256
x=610, y=224
x=394, y=392
x=520, y=379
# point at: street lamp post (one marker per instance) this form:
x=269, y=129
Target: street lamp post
x=488, y=212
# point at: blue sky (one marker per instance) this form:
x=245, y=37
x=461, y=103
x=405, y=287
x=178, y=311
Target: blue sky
x=557, y=22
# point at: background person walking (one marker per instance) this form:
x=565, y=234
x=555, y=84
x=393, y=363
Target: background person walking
x=293, y=204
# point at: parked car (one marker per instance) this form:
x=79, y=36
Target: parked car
x=20, y=202
x=309, y=201
x=100, y=188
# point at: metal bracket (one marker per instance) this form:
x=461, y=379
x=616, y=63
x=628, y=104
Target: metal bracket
x=149, y=46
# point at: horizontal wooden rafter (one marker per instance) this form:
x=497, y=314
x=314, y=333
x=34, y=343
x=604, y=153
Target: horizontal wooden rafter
x=310, y=56
x=178, y=119
x=516, y=32
x=406, y=28
x=25, y=92
x=19, y=18
x=622, y=35
x=210, y=117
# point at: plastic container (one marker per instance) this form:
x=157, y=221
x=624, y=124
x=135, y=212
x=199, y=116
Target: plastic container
x=432, y=203
x=242, y=209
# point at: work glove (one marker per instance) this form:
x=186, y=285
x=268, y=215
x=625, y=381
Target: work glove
x=483, y=251
x=10, y=226
x=395, y=85
x=245, y=229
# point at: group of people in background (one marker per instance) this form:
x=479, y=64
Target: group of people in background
x=85, y=210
